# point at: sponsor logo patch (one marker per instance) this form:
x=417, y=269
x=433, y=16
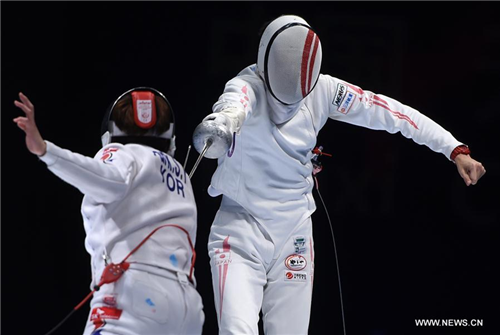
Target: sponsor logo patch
x=299, y=243
x=105, y=313
x=109, y=300
x=100, y=314
x=339, y=94
x=347, y=103
x=295, y=262
x=145, y=110
x=295, y=276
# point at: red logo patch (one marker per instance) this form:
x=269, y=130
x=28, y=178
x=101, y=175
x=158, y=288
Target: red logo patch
x=100, y=314
x=109, y=300
x=107, y=155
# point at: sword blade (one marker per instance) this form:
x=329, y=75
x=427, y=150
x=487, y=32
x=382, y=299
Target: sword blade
x=202, y=154
x=187, y=156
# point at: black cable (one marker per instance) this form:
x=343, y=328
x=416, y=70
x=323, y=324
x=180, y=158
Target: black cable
x=336, y=256
x=60, y=323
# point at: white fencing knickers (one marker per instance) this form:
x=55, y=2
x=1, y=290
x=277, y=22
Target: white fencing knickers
x=146, y=300
x=250, y=272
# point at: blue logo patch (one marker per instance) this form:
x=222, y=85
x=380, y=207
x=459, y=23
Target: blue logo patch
x=347, y=103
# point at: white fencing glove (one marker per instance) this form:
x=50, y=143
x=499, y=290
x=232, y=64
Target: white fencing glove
x=217, y=129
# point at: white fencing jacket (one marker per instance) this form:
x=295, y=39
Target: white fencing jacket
x=270, y=170
x=130, y=190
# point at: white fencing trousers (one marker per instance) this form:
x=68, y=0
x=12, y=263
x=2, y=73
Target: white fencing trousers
x=143, y=302
x=250, y=272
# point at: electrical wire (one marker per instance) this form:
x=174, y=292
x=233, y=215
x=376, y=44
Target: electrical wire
x=335, y=253
x=117, y=270
x=60, y=323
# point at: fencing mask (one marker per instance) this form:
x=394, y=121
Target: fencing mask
x=289, y=59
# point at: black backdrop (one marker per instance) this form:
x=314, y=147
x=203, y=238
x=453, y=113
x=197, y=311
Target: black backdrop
x=413, y=241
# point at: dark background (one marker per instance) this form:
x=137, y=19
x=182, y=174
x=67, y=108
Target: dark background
x=413, y=241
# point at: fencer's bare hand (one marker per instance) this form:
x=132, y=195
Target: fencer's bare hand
x=34, y=141
x=469, y=169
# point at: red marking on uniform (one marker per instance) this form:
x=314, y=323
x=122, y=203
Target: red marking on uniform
x=313, y=59
x=397, y=114
x=99, y=314
x=223, y=274
x=225, y=245
x=382, y=103
x=220, y=292
x=109, y=300
x=305, y=58
x=108, y=153
x=312, y=259
x=355, y=89
x=376, y=97
x=244, y=89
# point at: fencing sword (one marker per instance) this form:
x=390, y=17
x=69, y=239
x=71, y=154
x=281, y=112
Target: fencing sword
x=212, y=140
x=187, y=156
x=207, y=146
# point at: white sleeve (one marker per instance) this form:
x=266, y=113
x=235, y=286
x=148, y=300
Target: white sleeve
x=105, y=178
x=351, y=104
x=236, y=102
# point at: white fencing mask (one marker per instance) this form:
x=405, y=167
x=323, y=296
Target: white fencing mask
x=289, y=59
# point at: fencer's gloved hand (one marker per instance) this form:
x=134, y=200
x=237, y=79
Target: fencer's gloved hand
x=216, y=129
x=220, y=119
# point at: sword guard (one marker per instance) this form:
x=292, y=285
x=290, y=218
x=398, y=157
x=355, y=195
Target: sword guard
x=218, y=134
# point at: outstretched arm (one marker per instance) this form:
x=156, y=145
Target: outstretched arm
x=106, y=178
x=34, y=141
x=353, y=105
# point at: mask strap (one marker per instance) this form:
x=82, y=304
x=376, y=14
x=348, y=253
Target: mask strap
x=144, y=109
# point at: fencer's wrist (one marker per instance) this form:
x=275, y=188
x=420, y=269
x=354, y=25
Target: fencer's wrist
x=459, y=150
x=236, y=116
x=43, y=151
x=51, y=153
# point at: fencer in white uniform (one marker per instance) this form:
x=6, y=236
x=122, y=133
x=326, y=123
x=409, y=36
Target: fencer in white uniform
x=130, y=189
x=261, y=243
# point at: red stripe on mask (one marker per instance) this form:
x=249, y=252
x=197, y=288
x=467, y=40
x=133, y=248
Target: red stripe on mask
x=311, y=66
x=305, y=59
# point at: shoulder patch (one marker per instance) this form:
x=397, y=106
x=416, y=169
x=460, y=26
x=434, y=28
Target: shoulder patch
x=346, y=104
x=339, y=94
x=107, y=155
